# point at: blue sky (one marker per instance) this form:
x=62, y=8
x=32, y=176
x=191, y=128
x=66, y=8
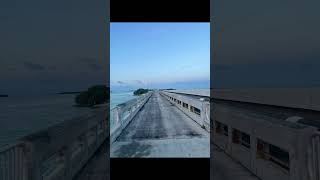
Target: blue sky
x=160, y=55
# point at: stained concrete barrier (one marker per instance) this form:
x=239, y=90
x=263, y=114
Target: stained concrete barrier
x=124, y=113
x=265, y=142
x=56, y=153
x=196, y=107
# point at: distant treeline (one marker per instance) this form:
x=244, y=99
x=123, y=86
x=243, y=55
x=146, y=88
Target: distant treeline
x=71, y=92
x=97, y=94
x=140, y=91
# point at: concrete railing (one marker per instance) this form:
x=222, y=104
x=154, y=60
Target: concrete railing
x=13, y=162
x=121, y=115
x=314, y=158
x=197, y=109
x=270, y=147
x=305, y=98
x=56, y=153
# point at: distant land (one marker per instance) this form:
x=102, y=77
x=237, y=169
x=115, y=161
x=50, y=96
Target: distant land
x=97, y=94
x=140, y=91
x=168, y=89
x=70, y=92
x=4, y=95
x=121, y=91
x=196, y=84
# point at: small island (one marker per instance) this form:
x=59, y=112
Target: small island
x=4, y=95
x=70, y=92
x=140, y=91
x=97, y=94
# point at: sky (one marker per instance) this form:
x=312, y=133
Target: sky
x=52, y=46
x=159, y=55
x=261, y=44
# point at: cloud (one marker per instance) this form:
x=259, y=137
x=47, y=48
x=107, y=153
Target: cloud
x=33, y=66
x=121, y=82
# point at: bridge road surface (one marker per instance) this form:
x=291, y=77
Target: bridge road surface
x=97, y=167
x=160, y=129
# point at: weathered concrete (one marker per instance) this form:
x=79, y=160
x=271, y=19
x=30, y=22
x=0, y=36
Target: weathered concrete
x=98, y=167
x=225, y=168
x=123, y=114
x=161, y=130
x=195, y=92
x=203, y=106
x=58, y=152
x=265, y=127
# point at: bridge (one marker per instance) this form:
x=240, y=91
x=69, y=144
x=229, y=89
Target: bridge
x=265, y=134
x=74, y=149
x=162, y=124
x=157, y=124
x=276, y=139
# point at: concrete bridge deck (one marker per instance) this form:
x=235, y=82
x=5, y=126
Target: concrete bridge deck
x=160, y=129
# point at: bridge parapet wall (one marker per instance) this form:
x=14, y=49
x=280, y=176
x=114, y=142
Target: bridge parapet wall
x=122, y=115
x=58, y=152
x=197, y=109
x=271, y=148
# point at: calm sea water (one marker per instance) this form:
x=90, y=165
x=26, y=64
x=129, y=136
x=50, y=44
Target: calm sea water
x=22, y=115
x=120, y=97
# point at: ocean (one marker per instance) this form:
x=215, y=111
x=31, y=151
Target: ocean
x=120, y=97
x=22, y=115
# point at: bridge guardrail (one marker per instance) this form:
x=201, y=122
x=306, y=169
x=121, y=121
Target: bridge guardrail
x=58, y=152
x=13, y=162
x=122, y=114
x=314, y=159
x=270, y=147
x=196, y=109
